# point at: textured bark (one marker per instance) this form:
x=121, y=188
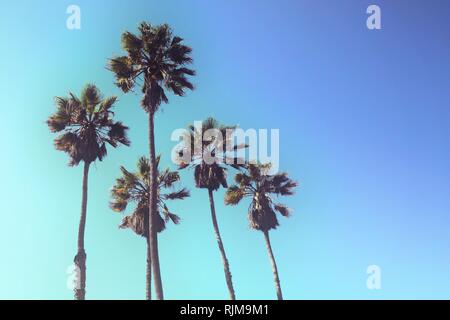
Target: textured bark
x=151, y=239
x=274, y=266
x=80, y=258
x=148, y=287
x=226, y=265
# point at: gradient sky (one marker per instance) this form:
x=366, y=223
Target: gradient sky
x=364, y=119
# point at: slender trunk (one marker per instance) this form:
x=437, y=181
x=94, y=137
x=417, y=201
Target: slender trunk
x=274, y=266
x=151, y=239
x=226, y=266
x=80, y=258
x=148, y=288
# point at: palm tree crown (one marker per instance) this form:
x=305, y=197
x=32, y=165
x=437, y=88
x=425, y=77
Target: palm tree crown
x=135, y=187
x=211, y=174
x=261, y=187
x=157, y=58
x=86, y=125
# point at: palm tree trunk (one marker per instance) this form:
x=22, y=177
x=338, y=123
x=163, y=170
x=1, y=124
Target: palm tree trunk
x=226, y=266
x=274, y=265
x=148, y=288
x=151, y=239
x=80, y=258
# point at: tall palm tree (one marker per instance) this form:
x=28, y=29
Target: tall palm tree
x=257, y=184
x=135, y=187
x=210, y=157
x=156, y=61
x=86, y=126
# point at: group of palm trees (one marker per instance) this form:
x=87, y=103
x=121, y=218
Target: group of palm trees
x=158, y=62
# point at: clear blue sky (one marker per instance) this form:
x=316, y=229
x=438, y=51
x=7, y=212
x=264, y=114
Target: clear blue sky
x=364, y=119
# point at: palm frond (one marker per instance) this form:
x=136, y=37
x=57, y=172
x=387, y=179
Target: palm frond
x=177, y=195
x=234, y=195
x=107, y=103
x=90, y=97
x=167, y=178
x=285, y=211
x=143, y=167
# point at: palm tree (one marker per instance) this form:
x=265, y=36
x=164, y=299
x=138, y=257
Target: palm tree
x=86, y=125
x=257, y=184
x=211, y=174
x=135, y=187
x=156, y=60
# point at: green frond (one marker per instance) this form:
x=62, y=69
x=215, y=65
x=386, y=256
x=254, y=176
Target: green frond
x=68, y=111
x=182, y=72
x=176, y=40
x=279, y=178
x=69, y=143
x=62, y=103
x=287, y=189
x=170, y=216
x=122, y=67
x=130, y=178
x=175, y=218
x=118, y=134
x=210, y=123
x=143, y=167
x=125, y=84
x=254, y=172
x=107, y=103
x=180, y=54
x=118, y=205
x=90, y=96
x=177, y=195
x=121, y=192
x=102, y=152
x=281, y=184
x=167, y=178
x=285, y=211
x=145, y=29
x=234, y=195
x=124, y=71
x=242, y=179
x=132, y=44
x=178, y=85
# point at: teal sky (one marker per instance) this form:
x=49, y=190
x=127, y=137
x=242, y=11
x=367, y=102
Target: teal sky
x=364, y=119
